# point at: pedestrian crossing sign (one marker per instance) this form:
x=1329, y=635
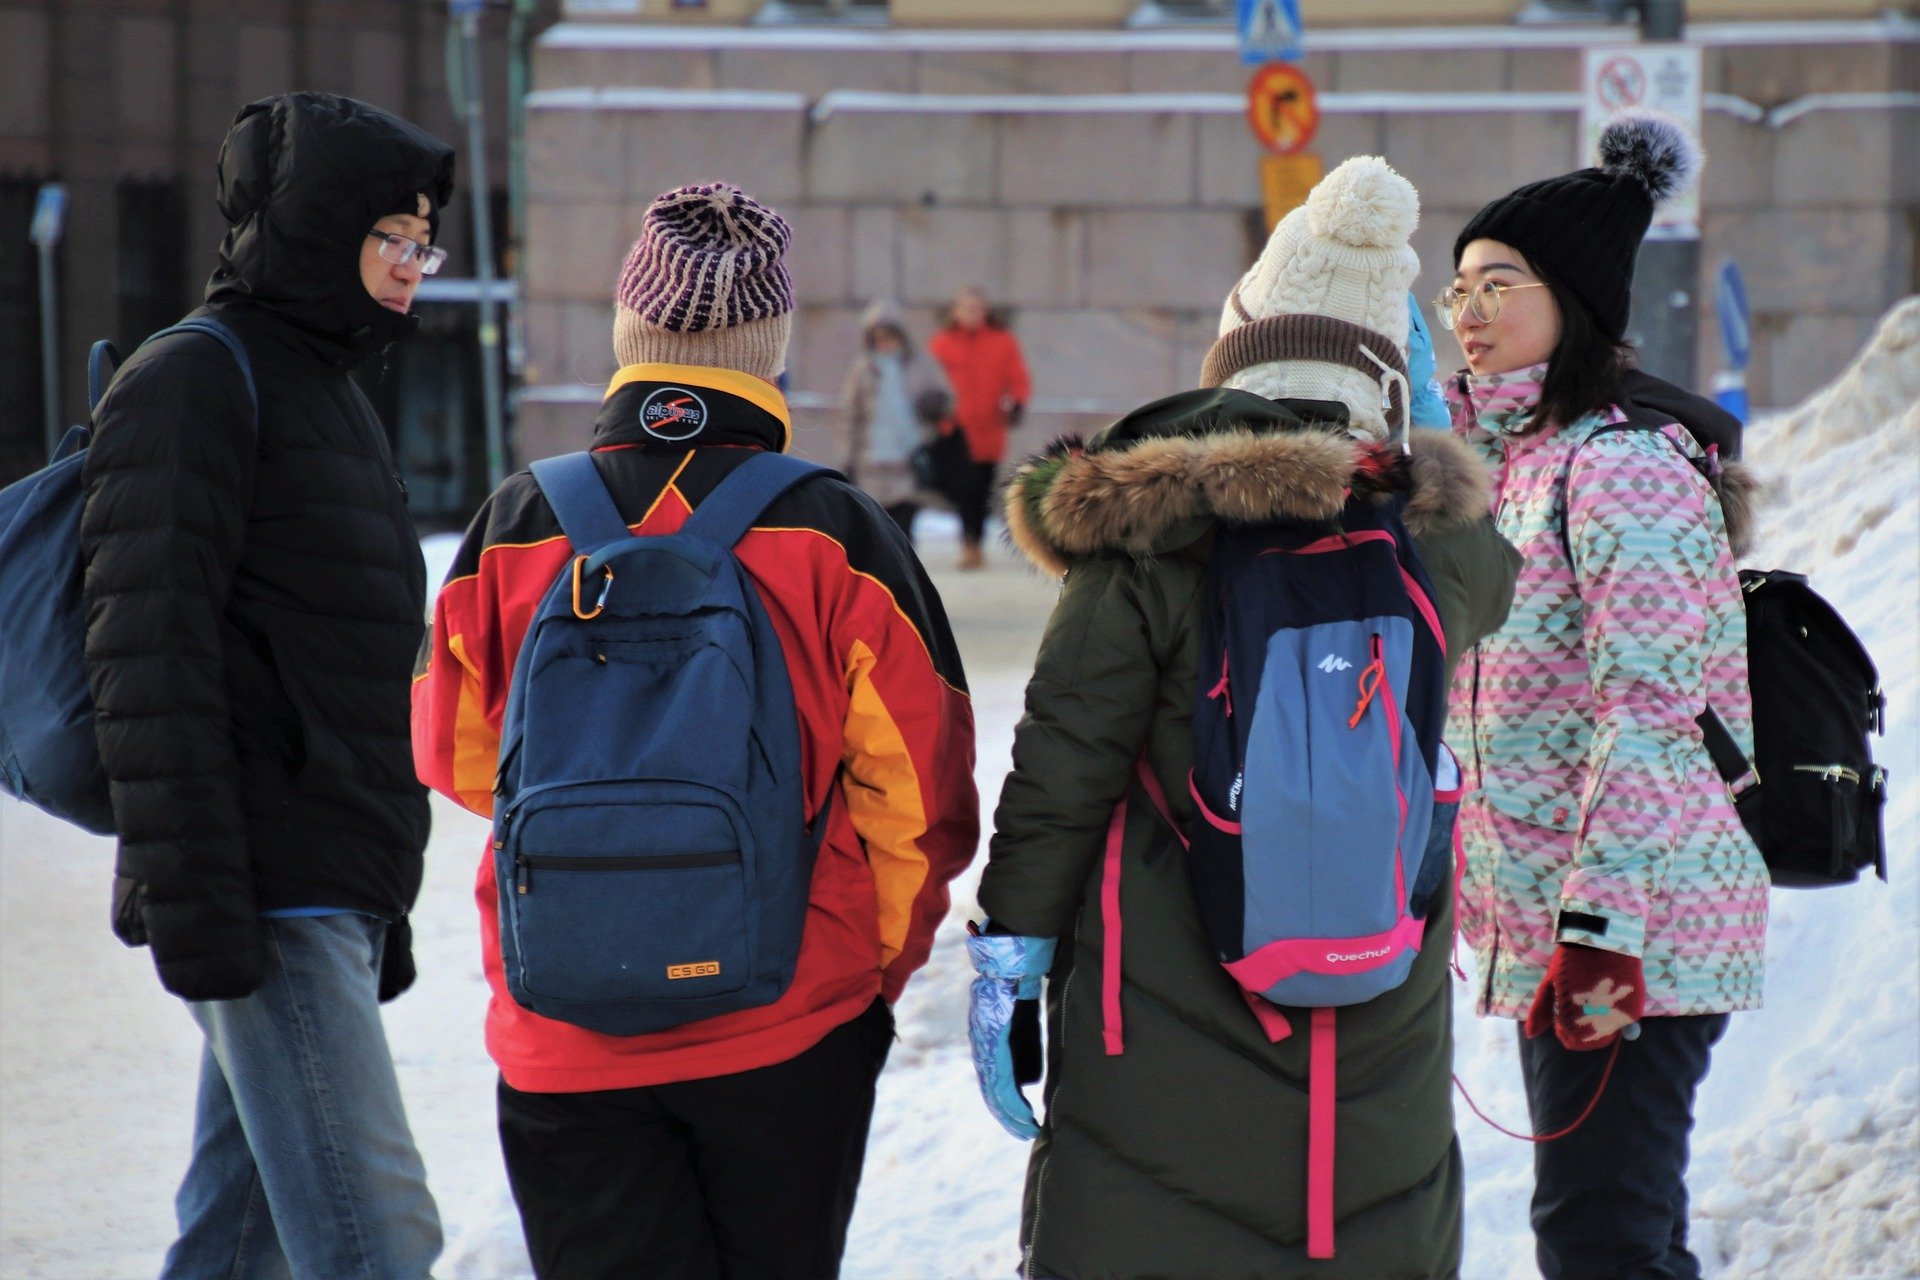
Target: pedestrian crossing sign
x=1269, y=30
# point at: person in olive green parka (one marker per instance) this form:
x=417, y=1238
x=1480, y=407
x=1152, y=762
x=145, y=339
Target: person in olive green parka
x=1184, y=1156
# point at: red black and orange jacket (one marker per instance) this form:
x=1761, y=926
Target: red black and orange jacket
x=877, y=685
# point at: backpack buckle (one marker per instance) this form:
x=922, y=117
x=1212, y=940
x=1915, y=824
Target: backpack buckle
x=579, y=566
x=1738, y=788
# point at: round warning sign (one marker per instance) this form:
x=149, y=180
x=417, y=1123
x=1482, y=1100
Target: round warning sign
x=1281, y=109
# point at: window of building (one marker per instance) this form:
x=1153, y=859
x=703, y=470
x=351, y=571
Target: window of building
x=862, y=13
x=150, y=218
x=23, y=446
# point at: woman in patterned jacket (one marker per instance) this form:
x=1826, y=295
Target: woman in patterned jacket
x=1612, y=899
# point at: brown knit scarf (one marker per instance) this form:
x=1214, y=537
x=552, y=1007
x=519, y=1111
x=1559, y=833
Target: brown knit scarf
x=1303, y=337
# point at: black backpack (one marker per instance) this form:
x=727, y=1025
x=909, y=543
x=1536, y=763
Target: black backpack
x=1816, y=809
x=1812, y=798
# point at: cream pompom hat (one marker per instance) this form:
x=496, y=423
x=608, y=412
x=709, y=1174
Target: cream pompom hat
x=1325, y=306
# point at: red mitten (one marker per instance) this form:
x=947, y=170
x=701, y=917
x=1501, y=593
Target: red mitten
x=1589, y=996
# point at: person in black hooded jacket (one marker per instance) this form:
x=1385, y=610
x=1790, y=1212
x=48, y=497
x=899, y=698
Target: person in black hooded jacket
x=255, y=595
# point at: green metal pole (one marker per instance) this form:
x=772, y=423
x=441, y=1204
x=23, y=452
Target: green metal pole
x=468, y=12
x=519, y=27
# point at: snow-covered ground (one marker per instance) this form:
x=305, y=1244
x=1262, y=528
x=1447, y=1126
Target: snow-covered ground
x=1805, y=1154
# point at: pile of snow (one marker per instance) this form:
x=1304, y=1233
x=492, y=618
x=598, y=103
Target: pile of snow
x=1807, y=1161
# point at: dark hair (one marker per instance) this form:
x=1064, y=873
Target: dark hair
x=1585, y=370
x=873, y=331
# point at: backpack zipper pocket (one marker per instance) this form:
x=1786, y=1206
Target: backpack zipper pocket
x=527, y=863
x=611, y=924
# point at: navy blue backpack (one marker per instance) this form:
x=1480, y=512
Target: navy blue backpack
x=48, y=756
x=650, y=833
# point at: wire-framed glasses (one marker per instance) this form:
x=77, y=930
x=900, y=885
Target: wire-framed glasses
x=399, y=250
x=1484, y=298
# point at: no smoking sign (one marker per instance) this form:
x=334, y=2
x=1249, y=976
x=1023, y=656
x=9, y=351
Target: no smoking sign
x=1648, y=77
x=1621, y=83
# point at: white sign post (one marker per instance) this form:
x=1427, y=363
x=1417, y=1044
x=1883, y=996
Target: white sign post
x=1658, y=77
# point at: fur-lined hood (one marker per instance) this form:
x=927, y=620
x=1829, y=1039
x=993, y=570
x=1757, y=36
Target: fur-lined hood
x=1156, y=480
x=1740, y=491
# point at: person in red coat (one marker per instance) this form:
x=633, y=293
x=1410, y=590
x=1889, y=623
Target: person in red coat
x=990, y=390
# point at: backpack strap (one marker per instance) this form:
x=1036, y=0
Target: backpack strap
x=1703, y=466
x=226, y=338
x=1731, y=763
x=1112, y=1031
x=749, y=489
x=1322, y=1057
x=103, y=361
x=579, y=498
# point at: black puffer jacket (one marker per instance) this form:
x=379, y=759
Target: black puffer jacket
x=254, y=603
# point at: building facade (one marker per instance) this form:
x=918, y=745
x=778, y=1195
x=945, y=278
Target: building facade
x=125, y=102
x=1097, y=175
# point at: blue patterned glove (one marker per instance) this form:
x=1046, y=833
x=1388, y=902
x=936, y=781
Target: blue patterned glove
x=1429, y=406
x=1010, y=969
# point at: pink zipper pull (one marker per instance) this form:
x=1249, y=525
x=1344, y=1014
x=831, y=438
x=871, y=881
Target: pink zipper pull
x=1220, y=690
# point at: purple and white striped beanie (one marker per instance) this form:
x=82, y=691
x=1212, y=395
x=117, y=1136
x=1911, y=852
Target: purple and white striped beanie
x=705, y=285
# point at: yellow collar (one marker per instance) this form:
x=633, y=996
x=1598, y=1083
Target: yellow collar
x=756, y=391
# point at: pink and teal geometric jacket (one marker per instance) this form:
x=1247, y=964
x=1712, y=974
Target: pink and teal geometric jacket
x=1594, y=814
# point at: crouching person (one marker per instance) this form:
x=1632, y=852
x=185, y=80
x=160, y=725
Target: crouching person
x=1225, y=842
x=254, y=594
x=730, y=767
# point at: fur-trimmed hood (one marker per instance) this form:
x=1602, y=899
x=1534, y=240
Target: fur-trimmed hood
x=1156, y=480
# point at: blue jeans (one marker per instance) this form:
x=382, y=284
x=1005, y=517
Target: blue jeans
x=303, y=1165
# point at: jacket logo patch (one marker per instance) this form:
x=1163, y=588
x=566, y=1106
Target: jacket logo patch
x=698, y=969
x=673, y=413
x=1334, y=662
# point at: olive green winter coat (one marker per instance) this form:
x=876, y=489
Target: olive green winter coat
x=1185, y=1156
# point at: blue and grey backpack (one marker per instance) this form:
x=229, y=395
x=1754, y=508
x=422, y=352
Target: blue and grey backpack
x=1317, y=740
x=650, y=834
x=1318, y=767
x=48, y=756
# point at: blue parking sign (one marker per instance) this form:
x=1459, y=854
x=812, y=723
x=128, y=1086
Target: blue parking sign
x=1269, y=31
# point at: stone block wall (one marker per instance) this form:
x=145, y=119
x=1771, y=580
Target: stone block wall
x=1114, y=236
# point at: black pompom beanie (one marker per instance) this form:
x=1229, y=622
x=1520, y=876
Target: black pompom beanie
x=1584, y=229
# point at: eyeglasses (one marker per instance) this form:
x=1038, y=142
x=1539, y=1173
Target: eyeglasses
x=1484, y=298
x=399, y=250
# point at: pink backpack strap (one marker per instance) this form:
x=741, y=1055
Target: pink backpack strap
x=1268, y=1015
x=1111, y=1030
x=1150, y=783
x=1320, y=1108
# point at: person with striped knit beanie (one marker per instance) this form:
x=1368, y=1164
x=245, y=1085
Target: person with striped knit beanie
x=726, y=1145
x=706, y=284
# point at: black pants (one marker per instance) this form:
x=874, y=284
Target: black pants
x=973, y=498
x=742, y=1177
x=1610, y=1198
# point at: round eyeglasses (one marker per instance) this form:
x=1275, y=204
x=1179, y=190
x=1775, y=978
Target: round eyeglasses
x=1484, y=298
x=399, y=250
